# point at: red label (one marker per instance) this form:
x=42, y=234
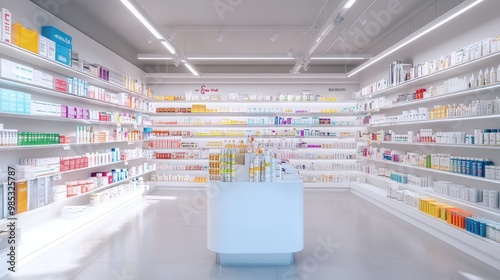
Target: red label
x=61, y=85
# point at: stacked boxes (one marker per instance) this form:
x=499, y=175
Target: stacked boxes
x=63, y=41
x=6, y=33
x=15, y=102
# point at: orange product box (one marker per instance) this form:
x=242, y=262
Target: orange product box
x=21, y=197
x=25, y=38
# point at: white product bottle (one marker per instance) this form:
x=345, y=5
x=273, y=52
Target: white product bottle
x=472, y=81
x=256, y=170
x=486, y=77
x=498, y=74
x=480, y=79
x=493, y=76
x=267, y=167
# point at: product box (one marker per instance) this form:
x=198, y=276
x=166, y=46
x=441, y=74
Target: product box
x=493, y=45
x=478, y=49
x=58, y=36
x=472, y=51
x=21, y=197
x=60, y=85
x=43, y=79
x=24, y=37
x=63, y=55
x=6, y=22
x=51, y=50
x=42, y=46
x=486, y=46
x=459, y=57
x=22, y=73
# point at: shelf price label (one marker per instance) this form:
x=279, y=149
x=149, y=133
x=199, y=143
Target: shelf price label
x=131, y=142
x=135, y=126
x=66, y=147
x=118, y=125
x=126, y=162
x=57, y=177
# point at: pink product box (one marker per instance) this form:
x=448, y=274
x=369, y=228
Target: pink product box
x=79, y=113
x=72, y=112
x=86, y=114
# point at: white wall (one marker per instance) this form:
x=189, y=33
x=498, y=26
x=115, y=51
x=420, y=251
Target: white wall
x=224, y=89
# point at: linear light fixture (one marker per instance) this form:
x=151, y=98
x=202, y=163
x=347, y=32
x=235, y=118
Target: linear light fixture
x=415, y=37
x=349, y=4
x=169, y=46
x=138, y=14
x=142, y=16
x=340, y=57
x=191, y=68
x=238, y=57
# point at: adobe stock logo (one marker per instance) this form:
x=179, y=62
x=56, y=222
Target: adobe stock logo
x=324, y=249
x=224, y=6
x=370, y=30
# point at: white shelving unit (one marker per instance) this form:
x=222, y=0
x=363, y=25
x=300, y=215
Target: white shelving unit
x=42, y=227
x=251, y=129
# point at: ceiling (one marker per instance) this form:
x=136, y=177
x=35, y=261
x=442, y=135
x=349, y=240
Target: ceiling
x=243, y=27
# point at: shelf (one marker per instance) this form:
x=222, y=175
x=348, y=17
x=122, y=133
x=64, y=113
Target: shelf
x=39, y=240
x=300, y=137
x=448, y=72
x=439, y=97
x=177, y=184
x=60, y=119
x=36, y=60
x=254, y=126
x=437, y=145
x=77, y=170
x=321, y=159
x=231, y=114
x=485, y=212
x=179, y=159
x=482, y=117
x=484, y=249
x=183, y=149
x=29, y=212
x=64, y=146
x=459, y=175
x=345, y=186
x=180, y=171
x=248, y=102
x=4, y=82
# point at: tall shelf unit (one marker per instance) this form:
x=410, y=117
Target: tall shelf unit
x=315, y=133
x=43, y=220
x=379, y=167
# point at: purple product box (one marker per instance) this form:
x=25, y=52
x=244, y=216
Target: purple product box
x=289, y=121
x=64, y=111
x=71, y=112
x=86, y=114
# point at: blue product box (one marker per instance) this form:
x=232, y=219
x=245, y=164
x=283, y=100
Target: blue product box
x=58, y=36
x=63, y=55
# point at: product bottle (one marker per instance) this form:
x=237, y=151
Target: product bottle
x=472, y=80
x=486, y=77
x=493, y=76
x=498, y=74
x=256, y=171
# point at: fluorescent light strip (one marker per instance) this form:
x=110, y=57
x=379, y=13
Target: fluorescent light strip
x=169, y=47
x=349, y=4
x=416, y=37
x=241, y=58
x=338, y=58
x=192, y=69
x=141, y=18
x=153, y=57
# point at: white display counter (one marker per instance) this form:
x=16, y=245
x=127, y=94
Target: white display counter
x=255, y=223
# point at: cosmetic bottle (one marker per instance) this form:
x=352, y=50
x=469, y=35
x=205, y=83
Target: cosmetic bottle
x=472, y=81
x=498, y=74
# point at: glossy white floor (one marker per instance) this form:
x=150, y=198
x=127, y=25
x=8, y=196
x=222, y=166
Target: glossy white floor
x=162, y=238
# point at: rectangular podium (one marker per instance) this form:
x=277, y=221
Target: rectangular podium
x=255, y=223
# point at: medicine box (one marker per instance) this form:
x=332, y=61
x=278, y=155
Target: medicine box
x=6, y=22
x=59, y=37
x=42, y=46
x=25, y=38
x=63, y=55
